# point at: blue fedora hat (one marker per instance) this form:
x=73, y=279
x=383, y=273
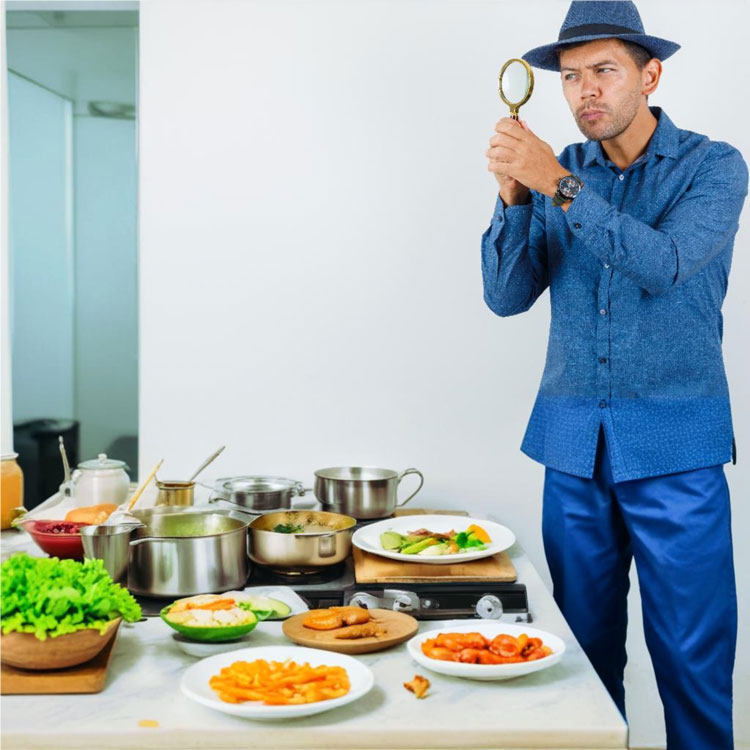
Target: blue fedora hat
x=588, y=20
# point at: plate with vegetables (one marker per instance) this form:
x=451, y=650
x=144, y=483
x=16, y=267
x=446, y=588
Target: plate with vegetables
x=216, y=618
x=435, y=539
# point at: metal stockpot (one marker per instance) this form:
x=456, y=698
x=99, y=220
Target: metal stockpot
x=258, y=494
x=360, y=491
x=188, y=552
x=301, y=551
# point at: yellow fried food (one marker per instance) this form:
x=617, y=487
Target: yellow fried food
x=352, y=615
x=418, y=685
x=365, y=630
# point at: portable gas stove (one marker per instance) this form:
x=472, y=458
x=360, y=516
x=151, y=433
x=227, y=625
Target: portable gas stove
x=425, y=601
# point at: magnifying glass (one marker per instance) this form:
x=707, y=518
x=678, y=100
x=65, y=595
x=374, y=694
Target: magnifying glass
x=515, y=84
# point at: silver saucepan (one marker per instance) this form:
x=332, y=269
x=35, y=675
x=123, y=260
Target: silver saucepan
x=301, y=540
x=258, y=494
x=190, y=551
x=361, y=491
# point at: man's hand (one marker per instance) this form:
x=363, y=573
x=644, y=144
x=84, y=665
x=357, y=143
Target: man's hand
x=521, y=162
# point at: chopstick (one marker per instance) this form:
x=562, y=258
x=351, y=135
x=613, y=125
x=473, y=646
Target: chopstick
x=139, y=491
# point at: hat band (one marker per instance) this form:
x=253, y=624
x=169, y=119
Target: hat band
x=589, y=29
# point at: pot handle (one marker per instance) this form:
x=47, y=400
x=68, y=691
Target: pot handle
x=421, y=482
x=326, y=542
x=141, y=540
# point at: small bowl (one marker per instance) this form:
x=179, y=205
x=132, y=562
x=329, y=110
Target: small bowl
x=209, y=634
x=26, y=651
x=62, y=544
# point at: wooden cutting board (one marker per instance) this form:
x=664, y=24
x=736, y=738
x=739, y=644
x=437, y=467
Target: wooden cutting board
x=369, y=568
x=400, y=627
x=85, y=678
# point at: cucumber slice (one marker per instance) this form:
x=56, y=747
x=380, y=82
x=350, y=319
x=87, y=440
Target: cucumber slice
x=267, y=608
x=391, y=540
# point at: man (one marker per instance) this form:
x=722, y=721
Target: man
x=633, y=232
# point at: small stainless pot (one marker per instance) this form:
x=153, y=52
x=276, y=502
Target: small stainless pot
x=328, y=543
x=188, y=552
x=258, y=494
x=173, y=492
x=360, y=491
x=111, y=544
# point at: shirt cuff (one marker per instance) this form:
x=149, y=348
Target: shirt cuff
x=517, y=215
x=589, y=217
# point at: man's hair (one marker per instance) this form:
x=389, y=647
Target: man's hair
x=640, y=55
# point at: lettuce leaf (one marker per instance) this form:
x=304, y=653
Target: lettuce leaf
x=50, y=597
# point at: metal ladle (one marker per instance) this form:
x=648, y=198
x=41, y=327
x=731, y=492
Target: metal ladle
x=209, y=460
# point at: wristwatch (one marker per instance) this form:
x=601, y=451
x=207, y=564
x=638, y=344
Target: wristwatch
x=568, y=188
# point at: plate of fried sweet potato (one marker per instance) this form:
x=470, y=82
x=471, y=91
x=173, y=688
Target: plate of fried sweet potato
x=350, y=630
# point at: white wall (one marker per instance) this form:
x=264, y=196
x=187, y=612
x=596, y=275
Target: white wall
x=312, y=194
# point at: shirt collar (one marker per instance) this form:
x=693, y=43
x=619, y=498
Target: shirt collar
x=663, y=142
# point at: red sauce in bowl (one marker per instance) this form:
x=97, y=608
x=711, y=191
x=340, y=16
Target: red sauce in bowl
x=57, y=538
x=58, y=527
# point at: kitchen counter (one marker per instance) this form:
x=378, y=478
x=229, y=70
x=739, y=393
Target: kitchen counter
x=565, y=706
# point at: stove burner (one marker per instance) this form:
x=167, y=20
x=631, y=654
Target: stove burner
x=263, y=576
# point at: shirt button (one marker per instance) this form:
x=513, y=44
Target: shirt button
x=577, y=225
x=602, y=312
x=606, y=265
x=602, y=360
x=602, y=404
x=621, y=177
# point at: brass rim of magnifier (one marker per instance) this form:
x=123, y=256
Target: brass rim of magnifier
x=514, y=106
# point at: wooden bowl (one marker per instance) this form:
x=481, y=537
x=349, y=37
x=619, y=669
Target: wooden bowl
x=26, y=651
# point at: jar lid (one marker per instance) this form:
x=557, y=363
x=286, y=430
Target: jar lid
x=8, y=456
x=102, y=462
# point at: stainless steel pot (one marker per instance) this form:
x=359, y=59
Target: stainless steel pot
x=173, y=492
x=360, y=491
x=190, y=551
x=324, y=539
x=258, y=494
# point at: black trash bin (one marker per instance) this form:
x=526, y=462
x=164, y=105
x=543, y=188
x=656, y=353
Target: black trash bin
x=37, y=445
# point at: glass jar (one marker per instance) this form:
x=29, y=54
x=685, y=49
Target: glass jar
x=11, y=489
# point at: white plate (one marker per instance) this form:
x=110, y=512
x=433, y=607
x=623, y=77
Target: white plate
x=367, y=538
x=195, y=685
x=487, y=671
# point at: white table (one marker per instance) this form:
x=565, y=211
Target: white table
x=565, y=706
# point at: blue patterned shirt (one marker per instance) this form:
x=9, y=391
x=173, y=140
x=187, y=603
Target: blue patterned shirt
x=637, y=271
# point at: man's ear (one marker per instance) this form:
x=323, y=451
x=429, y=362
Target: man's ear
x=650, y=76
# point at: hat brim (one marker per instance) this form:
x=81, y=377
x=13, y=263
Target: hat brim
x=546, y=57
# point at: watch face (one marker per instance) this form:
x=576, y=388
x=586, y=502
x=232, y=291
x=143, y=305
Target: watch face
x=569, y=186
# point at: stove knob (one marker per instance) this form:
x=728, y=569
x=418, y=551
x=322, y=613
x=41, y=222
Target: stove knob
x=402, y=603
x=489, y=607
x=364, y=600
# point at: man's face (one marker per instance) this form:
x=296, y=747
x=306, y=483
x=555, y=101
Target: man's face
x=603, y=87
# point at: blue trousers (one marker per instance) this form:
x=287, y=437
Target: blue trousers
x=677, y=527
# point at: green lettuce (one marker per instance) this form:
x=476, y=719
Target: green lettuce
x=50, y=597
